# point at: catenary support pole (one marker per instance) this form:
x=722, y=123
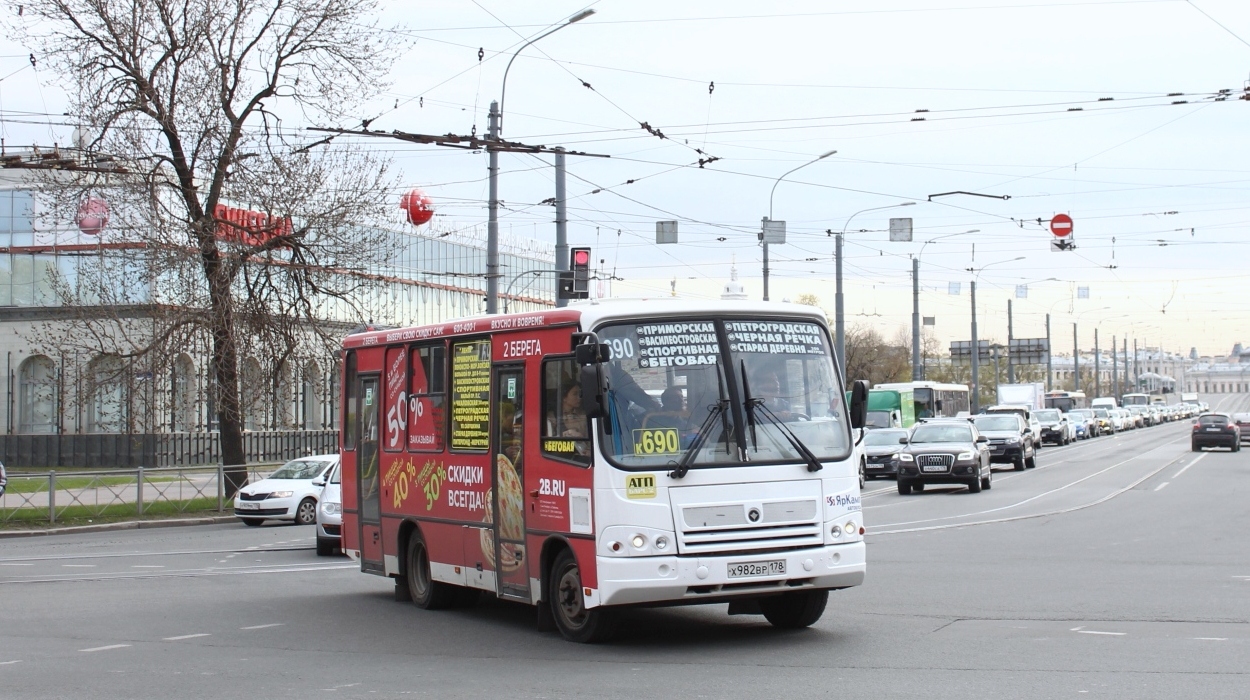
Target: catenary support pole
x=839, y=318
x=976, y=353
x=1011, y=367
x=1050, y=379
x=562, y=223
x=1097, y=379
x=916, y=374
x=492, y=219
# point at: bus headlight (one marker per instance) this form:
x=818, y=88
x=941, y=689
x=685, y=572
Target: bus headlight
x=661, y=542
x=639, y=541
x=836, y=531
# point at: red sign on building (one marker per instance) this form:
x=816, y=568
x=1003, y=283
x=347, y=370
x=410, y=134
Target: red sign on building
x=249, y=227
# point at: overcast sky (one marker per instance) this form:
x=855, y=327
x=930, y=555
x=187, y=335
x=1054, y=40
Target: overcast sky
x=1061, y=106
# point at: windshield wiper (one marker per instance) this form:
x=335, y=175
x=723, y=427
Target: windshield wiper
x=720, y=409
x=753, y=404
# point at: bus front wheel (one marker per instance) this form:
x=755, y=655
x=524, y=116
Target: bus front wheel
x=425, y=592
x=795, y=610
x=576, y=622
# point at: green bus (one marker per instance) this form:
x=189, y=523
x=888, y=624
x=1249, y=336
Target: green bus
x=889, y=408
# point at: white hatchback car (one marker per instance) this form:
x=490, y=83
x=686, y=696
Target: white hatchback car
x=330, y=515
x=287, y=494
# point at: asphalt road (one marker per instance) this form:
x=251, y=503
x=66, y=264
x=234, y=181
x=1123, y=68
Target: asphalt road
x=1118, y=568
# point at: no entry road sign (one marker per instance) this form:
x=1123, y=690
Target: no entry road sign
x=1061, y=225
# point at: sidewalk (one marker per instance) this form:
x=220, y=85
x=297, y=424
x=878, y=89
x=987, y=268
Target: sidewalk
x=125, y=525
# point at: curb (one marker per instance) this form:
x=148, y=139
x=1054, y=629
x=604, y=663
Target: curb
x=127, y=525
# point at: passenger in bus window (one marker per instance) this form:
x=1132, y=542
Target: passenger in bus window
x=573, y=416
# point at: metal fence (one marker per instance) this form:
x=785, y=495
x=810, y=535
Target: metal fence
x=105, y=450
x=52, y=497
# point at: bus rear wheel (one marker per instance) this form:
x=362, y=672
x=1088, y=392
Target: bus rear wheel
x=795, y=610
x=425, y=592
x=576, y=622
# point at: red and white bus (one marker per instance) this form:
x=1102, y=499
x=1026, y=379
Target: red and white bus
x=604, y=455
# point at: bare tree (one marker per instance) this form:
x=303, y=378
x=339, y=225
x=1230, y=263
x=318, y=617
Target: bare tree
x=183, y=102
x=870, y=356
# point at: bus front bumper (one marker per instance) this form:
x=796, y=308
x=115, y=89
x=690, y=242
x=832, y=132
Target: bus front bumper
x=695, y=579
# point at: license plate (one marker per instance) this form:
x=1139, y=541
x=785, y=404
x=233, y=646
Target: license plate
x=1213, y=430
x=933, y=468
x=747, y=569
x=247, y=506
x=870, y=465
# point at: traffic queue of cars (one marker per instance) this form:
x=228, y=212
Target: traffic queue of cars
x=304, y=491
x=961, y=450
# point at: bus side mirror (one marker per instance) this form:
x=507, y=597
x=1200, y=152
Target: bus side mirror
x=859, y=403
x=592, y=353
x=594, y=385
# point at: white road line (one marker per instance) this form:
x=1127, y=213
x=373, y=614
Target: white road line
x=261, y=627
x=79, y=566
x=1077, y=629
x=1195, y=461
x=111, y=646
x=1210, y=639
x=6, y=663
x=186, y=636
x=1110, y=634
x=146, y=566
x=1160, y=486
x=6, y=564
x=1027, y=500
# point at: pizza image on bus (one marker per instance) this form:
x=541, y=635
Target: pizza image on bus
x=511, y=507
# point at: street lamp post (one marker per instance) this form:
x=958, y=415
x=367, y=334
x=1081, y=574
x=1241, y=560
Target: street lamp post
x=494, y=127
x=763, y=240
x=839, y=313
x=976, y=347
x=916, y=370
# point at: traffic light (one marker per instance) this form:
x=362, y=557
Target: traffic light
x=576, y=285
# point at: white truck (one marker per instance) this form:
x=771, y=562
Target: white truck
x=1032, y=395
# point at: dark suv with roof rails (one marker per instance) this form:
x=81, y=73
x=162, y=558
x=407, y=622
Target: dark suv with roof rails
x=944, y=452
x=1011, y=440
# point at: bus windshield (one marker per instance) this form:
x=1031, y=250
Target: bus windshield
x=674, y=388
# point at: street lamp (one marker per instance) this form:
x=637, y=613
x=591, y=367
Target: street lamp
x=916, y=373
x=976, y=347
x=494, y=128
x=763, y=240
x=839, y=316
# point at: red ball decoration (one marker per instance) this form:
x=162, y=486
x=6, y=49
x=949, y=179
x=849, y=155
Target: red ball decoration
x=93, y=216
x=418, y=207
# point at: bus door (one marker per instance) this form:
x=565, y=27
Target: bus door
x=508, y=507
x=368, y=402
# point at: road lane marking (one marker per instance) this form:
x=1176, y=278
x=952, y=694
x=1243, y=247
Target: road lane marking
x=78, y=566
x=8, y=564
x=1210, y=639
x=1077, y=629
x=261, y=627
x=186, y=636
x=106, y=648
x=1027, y=500
x=1195, y=461
x=181, y=573
x=6, y=663
x=1016, y=518
x=1110, y=634
x=1160, y=486
x=146, y=566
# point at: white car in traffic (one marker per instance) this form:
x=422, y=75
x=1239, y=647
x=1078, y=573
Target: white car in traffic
x=330, y=515
x=288, y=494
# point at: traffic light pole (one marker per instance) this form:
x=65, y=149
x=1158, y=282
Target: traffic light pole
x=562, y=223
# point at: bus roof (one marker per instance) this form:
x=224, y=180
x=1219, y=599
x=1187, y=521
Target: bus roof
x=587, y=314
x=901, y=386
x=1057, y=394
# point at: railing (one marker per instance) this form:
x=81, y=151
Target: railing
x=41, y=498
x=130, y=451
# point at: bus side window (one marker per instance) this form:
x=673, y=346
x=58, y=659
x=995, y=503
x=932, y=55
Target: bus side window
x=395, y=398
x=565, y=428
x=349, y=402
x=427, y=398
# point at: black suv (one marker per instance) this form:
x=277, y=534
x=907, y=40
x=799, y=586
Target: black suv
x=944, y=452
x=1011, y=440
